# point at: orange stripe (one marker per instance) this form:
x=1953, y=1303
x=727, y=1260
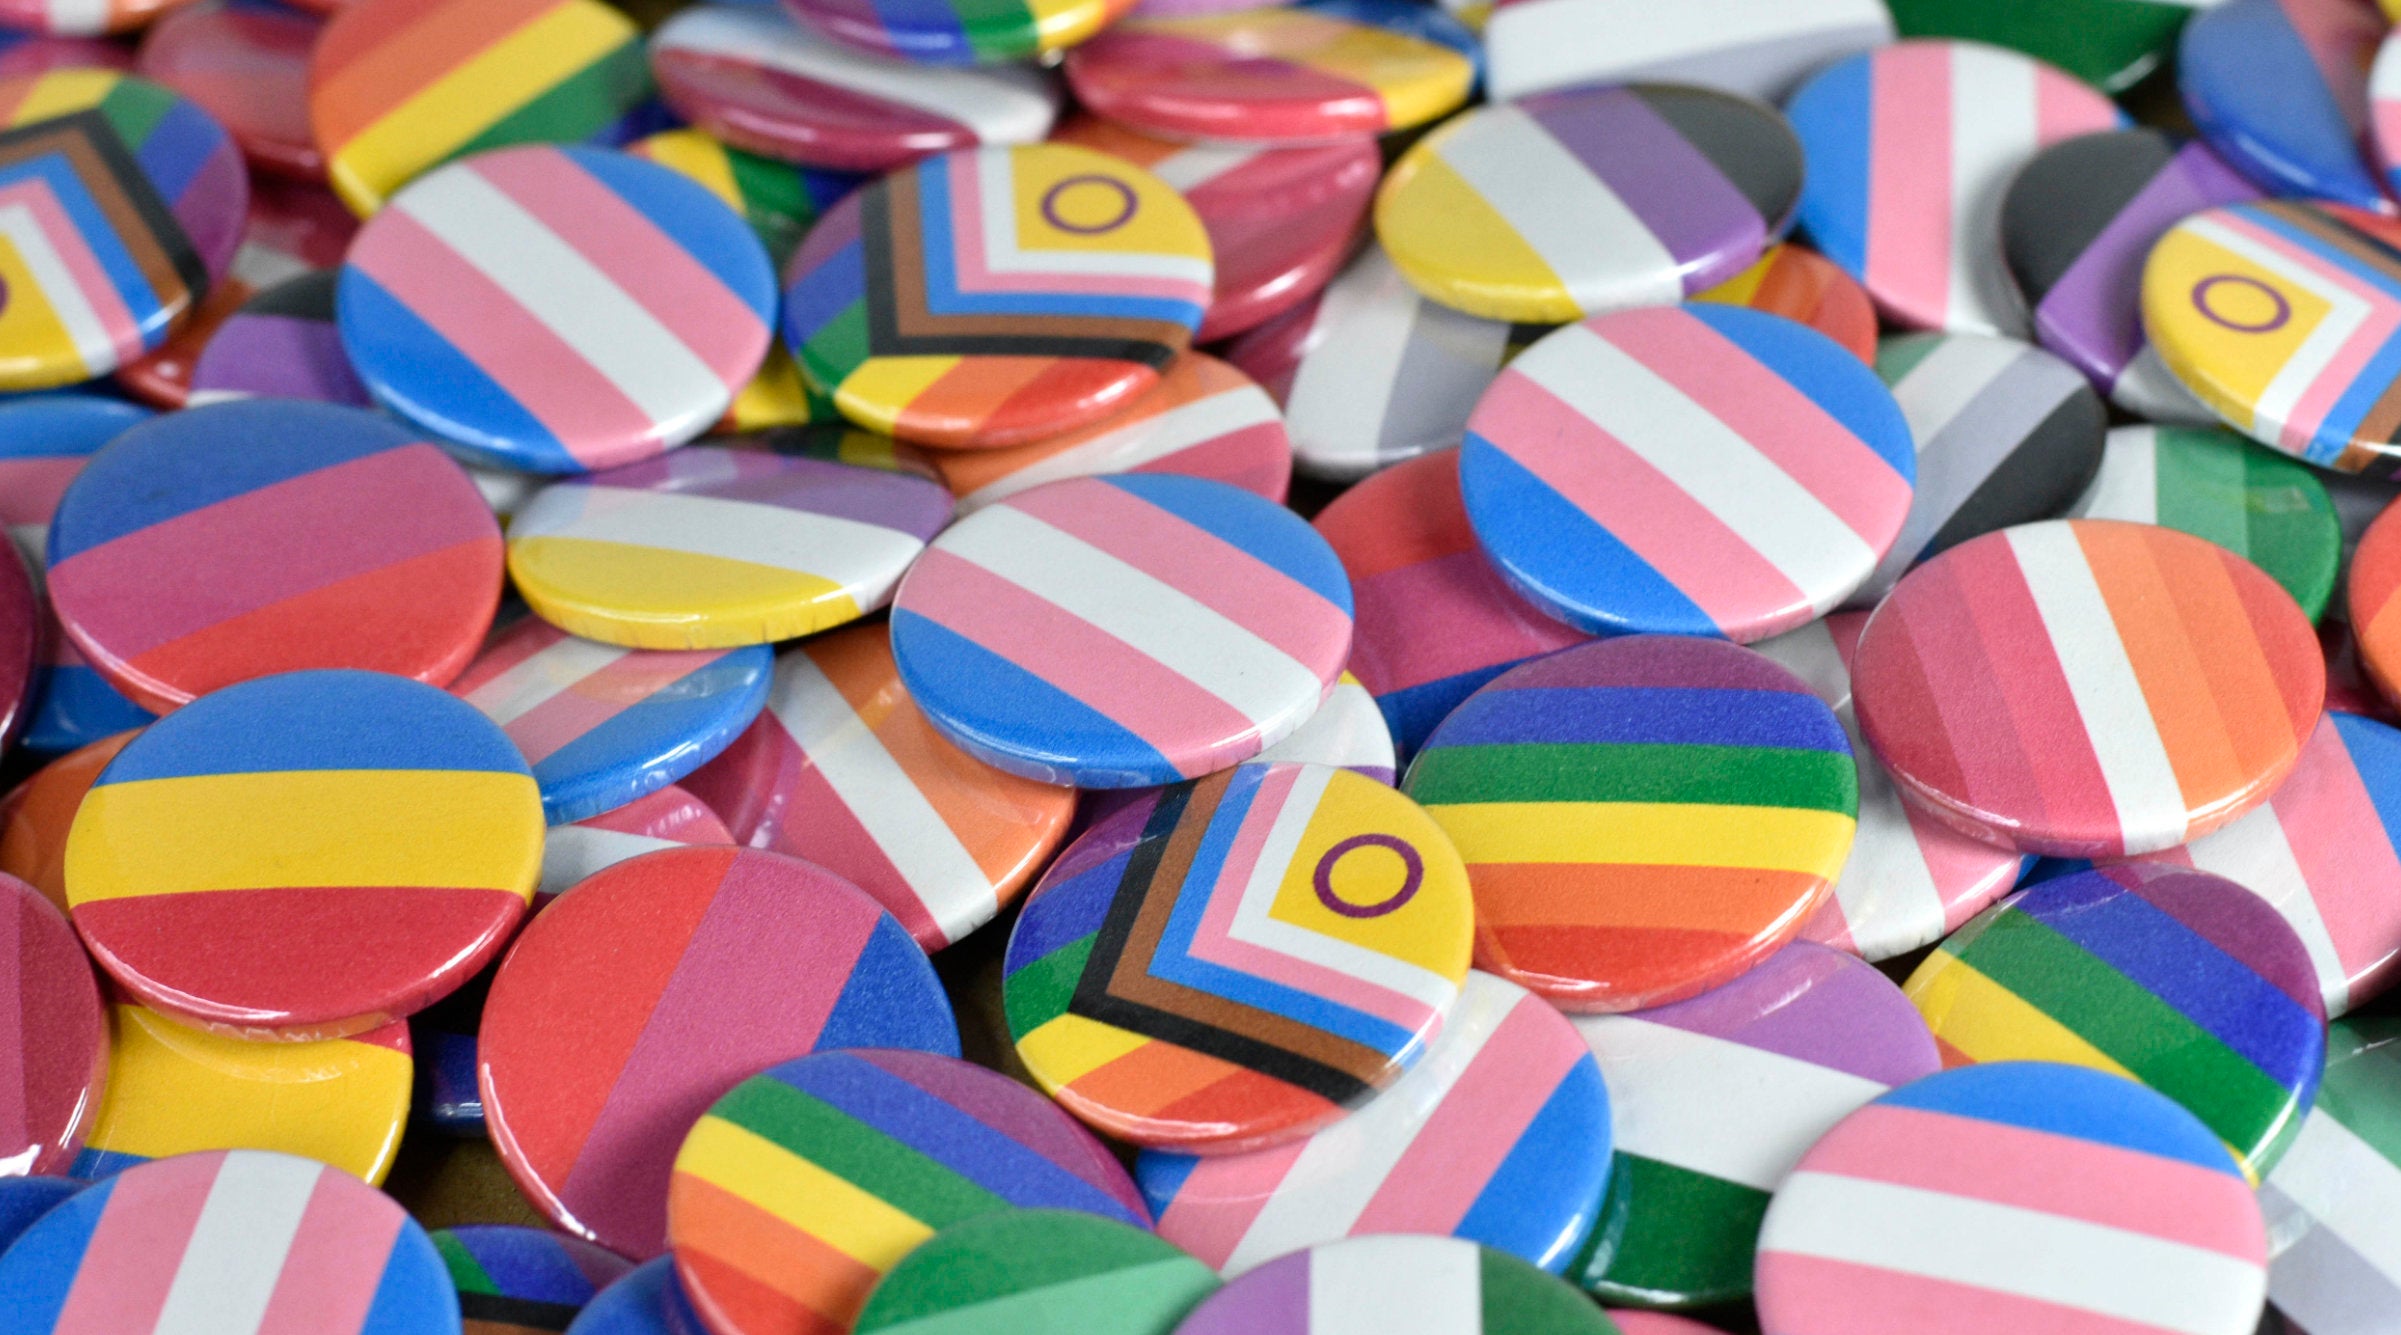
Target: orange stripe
x=1635, y=896
x=2164, y=615
x=2266, y=714
x=803, y=1272
x=1607, y=968
x=731, y=1300
x=1151, y=1077
x=390, y=68
x=971, y=391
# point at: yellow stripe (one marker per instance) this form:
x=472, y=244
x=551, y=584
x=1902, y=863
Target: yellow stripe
x=1417, y=80
x=473, y=97
x=36, y=351
x=1662, y=833
x=62, y=91
x=653, y=598
x=1452, y=245
x=1989, y=1023
x=1059, y=24
x=1062, y=1051
x=882, y=388
x=697, y=156
x=774, y=397
x=832, y=1210
x=301, y=828
x=1738, y=290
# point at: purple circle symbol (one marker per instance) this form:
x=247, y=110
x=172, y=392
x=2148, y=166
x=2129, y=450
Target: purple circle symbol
x=1126, y=204
x=2202, y=289
x=1413, y=875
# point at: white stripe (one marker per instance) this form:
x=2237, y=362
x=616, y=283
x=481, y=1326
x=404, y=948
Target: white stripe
x=1551, y=43
x=2346, y=1188
x=1994, y=130
x=2149, y=390
x=1121, y=449
x=1711, y=1105
x=239, y=1244
x=1155, y=618
x=2255, y=853
x=2345, y=314
x=572, y=852
x=2052, y=1258
x=882, y=797
x=1190, y=169
x=1727, y=475
x=570, y=297
x=1390, y=1284
x=1889, y=901
x=1003, y=104
x=1347, y=731
x=1809, y=653
x=2109, y=699
x=2127, y=487
x=996, y=179
x=1947, y=379
x=865, y=559
x=1340, y=1169
x=79, y=18
x=263, y=267
x=1600, y=249
x=56, y=282
x=1255, y=925
x=1343, y=385
x=539, y=677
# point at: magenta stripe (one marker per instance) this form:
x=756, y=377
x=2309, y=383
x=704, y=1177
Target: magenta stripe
x=129, y=1263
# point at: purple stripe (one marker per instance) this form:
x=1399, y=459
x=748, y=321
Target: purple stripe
x=282, y=356
x=2094, y=312
x=1039, y=1126
x=1271, y=1300
x=1680, y=195
x=1818, y=1005
x=2242, y=925
x=1681, y=661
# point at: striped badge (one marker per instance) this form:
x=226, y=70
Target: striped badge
x=520, y=1281
x=281, y=343
x=2213, y=484
x=399, y=87
x=1799, y=284
x=1717, y=1098
x=557, y=309
x=1500, y=1136
x=779, y=200
x=1911, y=148
x=1758, y=48
x=242, y=1242
x=2006, y=434
x=2136, y=970
x=176, y=1090
x=761, y=81
x=2280, y=88
x=1123, y=632
x=1590, y=199
x=2286, y=321
x=981, y=297
x=2175, y=682
x=1238, y=963
x=1434, y=621
x=664, y=819
x=1035, y=1272
x=1347, y=731
x=2373, y=599
x=844, y=770
x=1643, y=818
x=48, y=996
x=712, y=547
x=2330, y=1200
x=37, y=814
x=2017, y=1197
x=1395, y=1282
x=802, y=1186
x=603, y=726
x=1703, y=470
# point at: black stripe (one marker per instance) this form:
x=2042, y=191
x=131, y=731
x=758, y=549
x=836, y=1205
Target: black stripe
x=1752, y=145
x=509, y=1311
x=2068, y=195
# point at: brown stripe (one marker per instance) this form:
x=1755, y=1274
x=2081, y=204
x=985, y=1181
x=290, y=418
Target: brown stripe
x=150, y=253
x=2341, y=236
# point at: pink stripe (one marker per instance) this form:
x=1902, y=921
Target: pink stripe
x=549, y=379
x=1464, y=619
x=972, y=271
x=815, y=823
x=1222, y=1198
x=753, y=987
x=207, y=566
x=1219, y=575
x=30, y=488
x=1805, y=1295
x=648, y=265
x=2330, y=383
x=336, y=1262
x=1438, y=1179
x=2034, y=1170
x=1909, y=205
x=90, y=279
x=1132, y=689
x=2065, y=107
x=633, y=680
x=505, y=651
x=1778, y=420
x=2346, y=855
x=1619, y=490
x=128, y=1264
x=1956, y=862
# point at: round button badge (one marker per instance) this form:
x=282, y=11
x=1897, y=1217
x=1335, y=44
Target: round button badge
x=247, y=65
x=2280, y=89
x=2331, y=1251
x=1031, y=1272
x=511, y=1276
x=664, y=819
x=2111, y=44
x=1757, y=48
x=49, y=998
x=780, y=201
x=1398, y=1281
x=2212, y=483
x=281, y=343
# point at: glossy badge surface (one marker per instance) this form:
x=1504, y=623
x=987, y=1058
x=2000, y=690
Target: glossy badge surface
x=1240, y=962
x=2108, y=43
x=1032, y=1272
x=2280, y=89
x=1799, y=284
x=219, y=544
x=2019, y=1196
x=49, y=999
x=283, y=343
x=2214, y=484
x=311, y=854
x=1585, y=200
x=1398, y=1282
x=1122, y=632
x=1715, y=1099
x=246, y=65
x=2182, y=980
x=1500, y=1136
x=82, y=17
x=645, y=993
x=132, y=199
x=557, y=309
x=960, y=32
x=1642, y=818
x=664, y=819
x=2173, y=680
x=1911, y=148
x=513, y=1279
x=2334, y=1266
x=797, y=1190
x=1703, y=470
x=996, y=296
x=1758, y=48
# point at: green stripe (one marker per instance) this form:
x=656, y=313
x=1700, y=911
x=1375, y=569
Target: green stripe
x=466, y=1273
x=2254, y=502
x=134, y=108
x=838, y=349
x=2136, y=1029
x=1038, y=993
x=774, y=202
x=1744, y=776
x=574, y=109
x=2199, y=487
x=997, y=31
x=1897, y=357
x=855, y=1152
x=1146, y=1300
x=1522, y=1300
x=1669, y=1236
x=2362, y=1089
x=992, y=1258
